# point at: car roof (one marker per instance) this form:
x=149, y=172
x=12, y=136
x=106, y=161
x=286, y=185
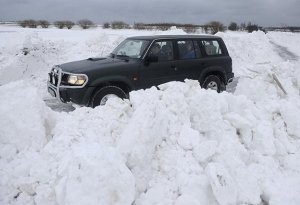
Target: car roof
x=155, y=37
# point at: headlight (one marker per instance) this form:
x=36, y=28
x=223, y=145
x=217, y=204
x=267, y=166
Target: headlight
x=76, y=79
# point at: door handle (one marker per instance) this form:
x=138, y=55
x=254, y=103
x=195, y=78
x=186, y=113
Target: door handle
x=174, y=67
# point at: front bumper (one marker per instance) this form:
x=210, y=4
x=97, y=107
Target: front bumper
x=53, y=83
x=76, y=94
x=55, y=91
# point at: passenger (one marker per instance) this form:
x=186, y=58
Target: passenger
x=167, y=51
x=190, y=53
x=210, y=49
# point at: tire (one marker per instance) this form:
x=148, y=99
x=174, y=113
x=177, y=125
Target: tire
x=214, y=82
x=101, y=96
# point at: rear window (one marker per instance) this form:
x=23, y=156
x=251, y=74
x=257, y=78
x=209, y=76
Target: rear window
x=212, y=47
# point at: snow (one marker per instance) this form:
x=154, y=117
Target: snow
x=175, y=145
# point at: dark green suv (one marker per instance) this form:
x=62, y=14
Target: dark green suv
x=141, y=62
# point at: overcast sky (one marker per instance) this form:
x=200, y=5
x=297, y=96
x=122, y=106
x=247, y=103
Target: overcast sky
x=262, y=12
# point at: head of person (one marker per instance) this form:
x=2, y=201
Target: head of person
x=155, y=49
x=190, y=46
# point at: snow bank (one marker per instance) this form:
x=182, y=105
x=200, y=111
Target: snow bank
x=23, y=119
x=25, y=124
x=249, y=50
x=208, y=142
x=177, y=144
x=43, y=161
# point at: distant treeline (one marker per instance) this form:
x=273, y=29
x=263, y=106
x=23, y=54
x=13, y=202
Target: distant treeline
x=284, y=29
x=84, y=23
x=190, y=28
x=254, y=27
x=211, y=27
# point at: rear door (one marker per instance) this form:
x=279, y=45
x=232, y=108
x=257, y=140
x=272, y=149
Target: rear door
x=190, y=61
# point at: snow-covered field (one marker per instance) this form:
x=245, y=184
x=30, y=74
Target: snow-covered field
x=177, y=145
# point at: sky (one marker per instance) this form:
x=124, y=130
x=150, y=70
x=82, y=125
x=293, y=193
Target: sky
x=261, y=12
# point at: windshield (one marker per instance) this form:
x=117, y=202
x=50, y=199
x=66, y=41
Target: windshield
x=131, y=48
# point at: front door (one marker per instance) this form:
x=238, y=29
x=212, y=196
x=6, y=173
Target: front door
x=161, y=67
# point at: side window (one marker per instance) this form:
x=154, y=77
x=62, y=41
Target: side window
x=186, y=50
x=163, y=50
x=212, y=47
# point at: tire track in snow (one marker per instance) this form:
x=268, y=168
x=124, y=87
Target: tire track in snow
x=57, y=106
x=284, y=52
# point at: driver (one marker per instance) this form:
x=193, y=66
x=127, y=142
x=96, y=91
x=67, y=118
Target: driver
x=155, y=50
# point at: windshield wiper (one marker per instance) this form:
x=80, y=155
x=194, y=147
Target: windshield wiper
x=121, y=56
x=124, y=56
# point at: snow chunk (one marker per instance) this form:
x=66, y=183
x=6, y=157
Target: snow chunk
x=291, y=115
x=24, y=119
x=188, y=138
x=263, y=139
x=94, y=174
x=205, y=150
x=222, y=184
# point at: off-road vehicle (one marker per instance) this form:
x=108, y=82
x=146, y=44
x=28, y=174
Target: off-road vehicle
x=141, y=62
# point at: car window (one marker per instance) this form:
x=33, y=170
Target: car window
x=188, y=49
x=163, y=50
x=212, y=47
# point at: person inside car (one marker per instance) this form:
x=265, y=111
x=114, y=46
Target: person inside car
x=190, y=52
x=167, y=51
x=155, y=50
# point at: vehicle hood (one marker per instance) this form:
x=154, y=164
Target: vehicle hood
x=90, y=64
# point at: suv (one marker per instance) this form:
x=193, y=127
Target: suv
x=141, y=62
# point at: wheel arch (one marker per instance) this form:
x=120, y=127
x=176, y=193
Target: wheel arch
x=120, y=82
x=103, y=89
x=218, y=71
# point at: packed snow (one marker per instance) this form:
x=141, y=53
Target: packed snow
x=178, y=144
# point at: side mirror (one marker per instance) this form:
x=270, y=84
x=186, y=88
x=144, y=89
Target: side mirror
x=151, y=59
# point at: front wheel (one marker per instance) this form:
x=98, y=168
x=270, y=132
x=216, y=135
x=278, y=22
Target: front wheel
x=213, y=82
x=105, y=93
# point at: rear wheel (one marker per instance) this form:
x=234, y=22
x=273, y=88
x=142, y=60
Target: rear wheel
x=105, y=93
x=213, y=82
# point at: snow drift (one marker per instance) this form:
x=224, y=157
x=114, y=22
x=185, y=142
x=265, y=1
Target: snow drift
x=178, y=144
